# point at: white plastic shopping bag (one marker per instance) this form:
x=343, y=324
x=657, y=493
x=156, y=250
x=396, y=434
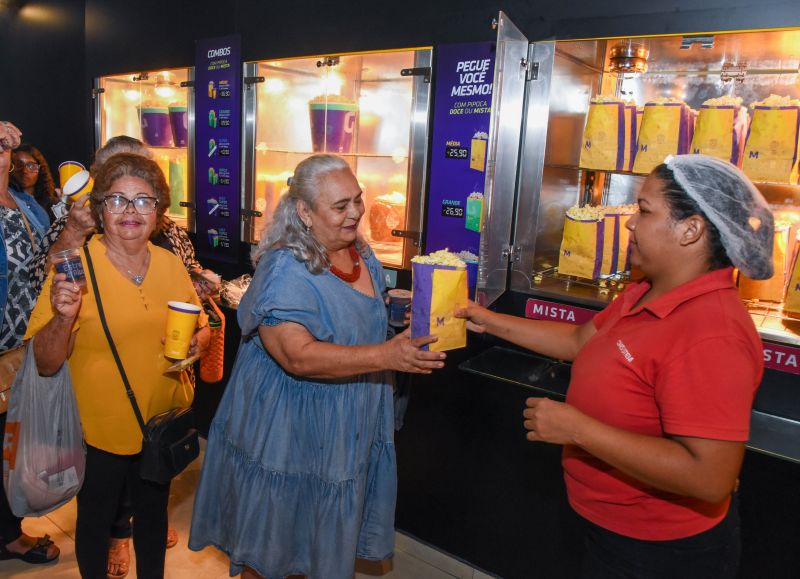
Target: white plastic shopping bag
x=43, y=451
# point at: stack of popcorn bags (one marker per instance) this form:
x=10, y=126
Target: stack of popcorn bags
x=439, y=287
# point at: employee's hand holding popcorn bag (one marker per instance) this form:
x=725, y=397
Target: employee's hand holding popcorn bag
x=439, y=289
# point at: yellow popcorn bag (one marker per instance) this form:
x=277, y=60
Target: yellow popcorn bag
x=439, y=287
x=770, y=153
x=791, y=304
x=583, y=243
x=605, y=136
x=477, y=151
x=631, y=136
x=616, y=238
x=666, y=130
x=721, y=129
x=772, y=289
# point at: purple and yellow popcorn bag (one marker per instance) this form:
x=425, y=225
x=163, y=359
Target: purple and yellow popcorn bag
x=439, y=287
x=773, y=139
x=616, y=238
x=720, y=129
x=667, y=129
x=606, y=137
x=583, y=243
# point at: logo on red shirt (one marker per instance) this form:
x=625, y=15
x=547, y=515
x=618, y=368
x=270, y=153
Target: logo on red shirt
x=624, y=350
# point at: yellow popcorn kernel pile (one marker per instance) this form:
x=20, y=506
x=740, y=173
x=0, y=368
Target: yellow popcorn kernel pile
x=775, y=100
x=621, y=209
x=441, y=257
x=586, y=213
x=664, y=100
x=724, y=101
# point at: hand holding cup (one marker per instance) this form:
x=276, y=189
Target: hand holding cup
x=181, y=323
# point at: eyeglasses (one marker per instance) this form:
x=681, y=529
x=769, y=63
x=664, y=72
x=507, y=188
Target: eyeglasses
x=30, y=167
x=119, y=204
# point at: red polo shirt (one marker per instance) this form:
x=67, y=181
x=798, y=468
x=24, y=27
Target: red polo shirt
x=688, y=364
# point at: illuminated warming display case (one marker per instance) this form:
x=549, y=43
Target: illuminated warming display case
x=369, y=108
x=735, y=95
x=156, y=107
x=704, y=75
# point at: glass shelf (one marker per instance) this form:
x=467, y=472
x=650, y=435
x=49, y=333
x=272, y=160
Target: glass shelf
x=632, y=174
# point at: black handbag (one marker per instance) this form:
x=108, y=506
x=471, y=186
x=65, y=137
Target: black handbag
x=169, y=440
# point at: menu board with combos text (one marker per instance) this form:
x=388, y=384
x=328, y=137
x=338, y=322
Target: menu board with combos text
x=218, y=96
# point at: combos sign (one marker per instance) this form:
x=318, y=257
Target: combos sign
x=218, y=159
x=776, y=356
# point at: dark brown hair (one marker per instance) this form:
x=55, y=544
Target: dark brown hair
x=44, y=191
x=681, y=206
x=130, y=165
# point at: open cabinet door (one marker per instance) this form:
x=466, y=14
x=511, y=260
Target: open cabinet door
x=502, y=157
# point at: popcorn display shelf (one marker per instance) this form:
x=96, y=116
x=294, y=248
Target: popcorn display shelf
x=632, y=174
x=346, y=155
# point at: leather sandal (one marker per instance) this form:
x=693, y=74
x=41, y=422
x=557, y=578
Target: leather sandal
x=119, y=557
x=36, y=555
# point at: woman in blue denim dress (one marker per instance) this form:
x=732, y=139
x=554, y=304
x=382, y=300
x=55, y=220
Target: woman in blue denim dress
x=299, y=474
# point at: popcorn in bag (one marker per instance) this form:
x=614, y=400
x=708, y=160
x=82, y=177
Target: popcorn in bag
x=791, y=303
x=770, y=153
x=667, y=126
x=583, y=243
x=772, y=289
x=721, y=129
x=439, y=287
x=477, y=151
x=474, y=216
x=607, y=135
x=616, y=238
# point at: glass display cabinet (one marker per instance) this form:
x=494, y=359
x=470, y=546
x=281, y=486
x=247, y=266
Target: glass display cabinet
x=370, y=108
x=686, y=71
x=156, y=107
x=573, y=168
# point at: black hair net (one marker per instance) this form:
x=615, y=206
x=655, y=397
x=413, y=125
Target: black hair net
x=730, y=201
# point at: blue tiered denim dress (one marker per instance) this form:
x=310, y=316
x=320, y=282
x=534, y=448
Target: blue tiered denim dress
x=300, y=475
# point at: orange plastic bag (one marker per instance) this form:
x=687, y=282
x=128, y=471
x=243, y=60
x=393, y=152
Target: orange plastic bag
x=212, y=361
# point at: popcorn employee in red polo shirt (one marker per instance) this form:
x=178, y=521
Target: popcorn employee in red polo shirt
x=663, y=380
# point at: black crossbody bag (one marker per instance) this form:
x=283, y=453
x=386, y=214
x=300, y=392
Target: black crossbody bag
x=169, y=440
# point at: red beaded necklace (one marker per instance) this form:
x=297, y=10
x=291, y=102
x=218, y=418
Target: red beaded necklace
x=355, y=274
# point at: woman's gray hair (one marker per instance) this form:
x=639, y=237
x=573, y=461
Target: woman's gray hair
x=116, y=145
x=286, y=229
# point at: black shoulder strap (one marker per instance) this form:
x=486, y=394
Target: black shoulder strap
x=131, y=396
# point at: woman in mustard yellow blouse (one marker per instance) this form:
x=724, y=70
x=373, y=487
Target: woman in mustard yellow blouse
x=136, y=280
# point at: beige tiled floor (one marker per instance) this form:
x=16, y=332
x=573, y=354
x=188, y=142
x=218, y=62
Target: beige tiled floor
x=412, y=559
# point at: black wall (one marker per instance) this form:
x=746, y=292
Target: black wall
x=41, y=76
x=52, y=49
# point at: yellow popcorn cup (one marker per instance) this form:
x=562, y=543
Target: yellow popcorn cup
x=67, y=169
x=77, y=187
x=181, y=322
